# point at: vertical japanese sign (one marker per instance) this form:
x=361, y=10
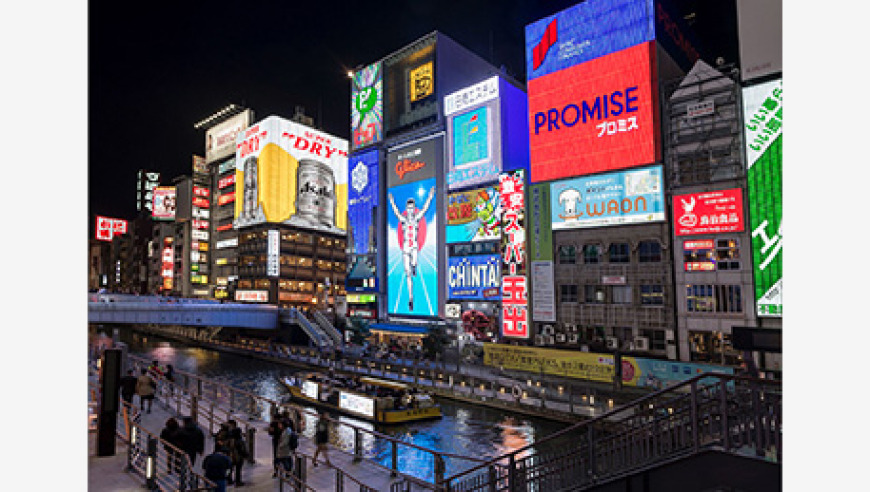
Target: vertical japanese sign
x=762, y=110
x=514, y=311
x=367, y=106
x=107, y=228
x=541, y=254
x=273, y=253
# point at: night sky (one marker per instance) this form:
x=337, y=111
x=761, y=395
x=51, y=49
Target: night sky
x=155, y=71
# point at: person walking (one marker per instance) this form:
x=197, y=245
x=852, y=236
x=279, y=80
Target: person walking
x=128, y=387
x=171, y=434
x=287, y=444
x=276, y=428
x=238, y=451
x=321, y=438
x=192, y=439
x=216, y=465
x=145, y=387
x=169, y=375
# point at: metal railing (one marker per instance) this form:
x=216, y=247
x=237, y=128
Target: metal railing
x=320, y=338
x=296, y=479
x=731, y=413
x=327, y=327
x=214, y=402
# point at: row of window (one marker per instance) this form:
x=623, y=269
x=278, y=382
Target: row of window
x=714, y=298
x=650, y=294
x=648, y=252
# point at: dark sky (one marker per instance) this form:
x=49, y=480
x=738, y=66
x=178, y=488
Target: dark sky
x=155, y=71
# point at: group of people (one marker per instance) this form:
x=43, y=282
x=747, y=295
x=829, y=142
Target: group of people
x=187, y=438
x=284, y=430
x=145, y=385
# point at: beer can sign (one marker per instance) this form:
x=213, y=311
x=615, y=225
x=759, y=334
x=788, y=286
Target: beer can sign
x=291, y=174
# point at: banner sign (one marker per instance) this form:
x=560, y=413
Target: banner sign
x=541, y=234
x=712, y=212
x=163, y=207
x=474, y=277
x=107, y=228
x=473, y=216
x=273, y=253
x=543, y=291
x=624, y=197
x=363, y=199
x=471, y=96
x=252, y=295
x=220, y=140
x=367, y=106
x=762, y=109
x=414, y=162
x=514, y=310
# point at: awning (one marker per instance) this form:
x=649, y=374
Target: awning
x=398, y=328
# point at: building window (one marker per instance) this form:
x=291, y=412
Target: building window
x=568, y=293
x=705, y=255
x=591, y=254
x=619, y=253
x=728, y=254
x=593, y=294
x=567, y=255
x=621, y=294
x=714, y=299
x=652, y=295
x=650, y=252
x=656, y=338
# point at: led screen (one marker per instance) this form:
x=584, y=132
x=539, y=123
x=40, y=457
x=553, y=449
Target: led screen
x=623, y=197
x=594, y=117
x=367, y=106
x=474, y=277
x=473, y=216
x=163, y=207
x=412, y=252
x=363, y=200
x=514, y=311
x=711, y=212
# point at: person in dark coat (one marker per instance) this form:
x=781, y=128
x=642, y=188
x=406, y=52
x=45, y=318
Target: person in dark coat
x=215, y=467
x=192, y=439
x=275, y=429
x=128, y=386
x=238, y=451
x=321, y=438
x=171, y=433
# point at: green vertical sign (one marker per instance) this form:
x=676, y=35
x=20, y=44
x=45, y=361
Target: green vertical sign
x=762, y=111
x=540, y=231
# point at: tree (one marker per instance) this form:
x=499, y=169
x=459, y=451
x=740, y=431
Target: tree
x=435, y=341
x=359, y=331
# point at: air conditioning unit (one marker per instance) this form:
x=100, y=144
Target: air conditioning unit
x=560, y=338
x=539, y=339
x=573, y=338
x=641, y=343
x=612, y=343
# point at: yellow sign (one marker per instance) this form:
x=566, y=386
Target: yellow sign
x=566, y=363
x=422, y=81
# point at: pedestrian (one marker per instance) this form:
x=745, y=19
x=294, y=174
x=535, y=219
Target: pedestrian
x=192, y=439
x=276, y=428
x=171, y=435
x=238, y=452
x=128, y=386
x=216, y=465
x=145, y=387
x=286, y=448
x=321, y=437
x=169, y=375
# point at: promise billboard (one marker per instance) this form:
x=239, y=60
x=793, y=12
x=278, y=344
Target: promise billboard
x=292, y=174
x=594, y=117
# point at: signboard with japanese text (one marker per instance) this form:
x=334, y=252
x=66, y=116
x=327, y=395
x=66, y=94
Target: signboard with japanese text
x=226, y=181
x=367, y=106
x=623, y=197
x=220, y=140
x=594, y=117
x=514, y=310
x=473, y=216
x=363, y=200
x=541, y=232
x=543, y=291
x=474, y=277
x=474, y=134
x=146, y=183
x=163, y=207
x=412, y=252
x=414, y=162
x=273, y=253
x=289, y=173
x=699, y=256
x=762, y=110
x=711, y=212
x=356, y=403
x=471, y=96
x=108, y=227
x=252, y=295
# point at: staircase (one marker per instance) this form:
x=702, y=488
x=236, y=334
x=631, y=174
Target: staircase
x=327, y=327
x=711, y=418
x=323, y=341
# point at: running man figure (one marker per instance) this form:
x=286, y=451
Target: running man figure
x=409, y=224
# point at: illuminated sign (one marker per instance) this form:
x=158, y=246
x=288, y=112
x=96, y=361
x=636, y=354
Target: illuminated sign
x=167, y=265
x=200, y=191
x=762, y=110
x=474, y=277
x=199, y=235
x=471, y=96
x=367, y=106
x=408, y=84
x=252, y=295
x=199, y=213
x=474, y=135
x=310, y=389
x=163, y=206
x=221, y=261
x=363, y=199
x=108, y=227
x=514, y=310
x=414, y=162
x=412, y=252
x=594, y=117
x=225, y=198
x=473, y=215
x=623, y=197
x=710, y=212
x=199, y=224
x=227, y=165
x=421, y=81
x=200, y=202
x=359, y=404
x=227, y=243
x=361, y=298
x=293, y=174
x=145, y=188
x=220, y=140
x=199, y=165
x=224, y=182
x=698, y=256
x=225, y=227
x=273, y=253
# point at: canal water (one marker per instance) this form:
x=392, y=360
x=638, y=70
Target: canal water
x=465, y=429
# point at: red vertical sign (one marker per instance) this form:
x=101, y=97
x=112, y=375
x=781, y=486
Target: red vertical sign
x=514, y=310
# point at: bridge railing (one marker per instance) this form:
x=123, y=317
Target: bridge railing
x=215, y=402
x=733, y=413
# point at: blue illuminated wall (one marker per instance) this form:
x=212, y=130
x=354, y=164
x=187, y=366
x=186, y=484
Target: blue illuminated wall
x=362, y=175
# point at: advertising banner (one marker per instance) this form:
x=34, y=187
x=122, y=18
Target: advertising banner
x=367, y=106
x=471, y=96
x=292, y=174
x=163, y=207
x=252, y=295
x=474, y=277
x=220, y=140
x=543, y=291
x=356, y=403
x=759, y=29
x=108, y=227
x=363, y=200
x=541, y=233
x=514, y=310
x=473, y=216
x=412, y=252
x=146, y=182
x=594, y=117
x=224, y=182
x=698, y=256
x=762, y=109
x=414, y=162
x=410, y=84
x=273, y=253
x=712, y=212
x=585, y=31
x=624, y=197
x=637, y=372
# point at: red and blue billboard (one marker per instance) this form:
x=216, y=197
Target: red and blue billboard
x=597, y=116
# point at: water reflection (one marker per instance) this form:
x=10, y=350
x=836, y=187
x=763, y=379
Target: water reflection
x=465, y=430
